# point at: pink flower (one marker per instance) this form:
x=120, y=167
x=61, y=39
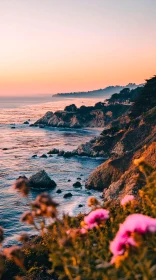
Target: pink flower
x=134, y=223
x=95, y=217
x=127, y=198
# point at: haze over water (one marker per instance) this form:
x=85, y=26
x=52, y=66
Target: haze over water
x=17, y=146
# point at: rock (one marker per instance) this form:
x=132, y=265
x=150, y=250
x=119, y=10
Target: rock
x=41, y=126
x=78, y=178
x=26, y=122
x=80, y=205
x=108, y=172
x=77, y=185
x=44, y=120
x=69, y=180
x=58, y=191
x=50, y=156
x=41, y=180
x=5, y=149
x=13, y=127
x=71, y=108
x=34, y=156
x=61, y=153
x=44, y=156
x=68, y=195
x=67, y=154
x=131, y=180
x=53, y=151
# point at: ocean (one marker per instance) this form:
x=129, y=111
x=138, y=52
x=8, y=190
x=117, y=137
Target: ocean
x=17, y=146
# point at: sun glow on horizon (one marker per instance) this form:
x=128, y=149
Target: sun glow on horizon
x=63, y=46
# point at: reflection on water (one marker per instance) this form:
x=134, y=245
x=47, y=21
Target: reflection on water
x=16, y=149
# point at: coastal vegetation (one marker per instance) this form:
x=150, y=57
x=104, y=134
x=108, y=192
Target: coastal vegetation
x=105, y=244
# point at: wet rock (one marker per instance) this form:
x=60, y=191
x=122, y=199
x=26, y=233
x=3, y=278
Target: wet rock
x=68, y=195
x=33, y=125
x=61, y=153
x=58, y=191
x=80, y=205
x=50, y=156
x=43, y=156
x=78, y=178
x=13, y=127
x=68, y=154
x=5, y=149
x=34, y=156
x=69, y=180
x=53, y=151
x=26, y=122
x=41, y=180
x=77, y=185
x=41, y=126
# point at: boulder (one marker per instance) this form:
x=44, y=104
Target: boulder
x=77, y=185
x=26, y=122
x=41, y=180
x=58, y=191
x=41, y=126
x=43, y=156
x=80, y=205
x=34, y=156
x=68, y=195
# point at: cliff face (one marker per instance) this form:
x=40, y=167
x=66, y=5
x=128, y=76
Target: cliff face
x=118, y=175
x=95, y=116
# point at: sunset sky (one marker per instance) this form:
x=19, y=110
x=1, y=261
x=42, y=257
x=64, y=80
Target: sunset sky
x=50, y=46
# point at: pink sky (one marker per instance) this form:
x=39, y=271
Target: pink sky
x=63, y=45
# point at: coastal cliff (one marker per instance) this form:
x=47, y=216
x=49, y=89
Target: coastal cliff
x=125, y=140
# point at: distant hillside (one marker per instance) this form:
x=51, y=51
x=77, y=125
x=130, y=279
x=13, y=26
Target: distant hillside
x=99, y=92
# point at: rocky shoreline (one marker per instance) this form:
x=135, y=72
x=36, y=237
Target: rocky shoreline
x=129, y=132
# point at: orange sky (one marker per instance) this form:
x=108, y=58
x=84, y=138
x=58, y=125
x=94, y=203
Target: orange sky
x=64, y=45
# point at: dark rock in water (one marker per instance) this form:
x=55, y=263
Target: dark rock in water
x=53, y=151
x=13, y=127
x=89, y=193
x=61, y=153
x=33, y=125
x=81, y=175
x=69, y=180
x=5, y=149
x=26, y=122
x=50, y=156
x=77, y=185
x=43, y=156
x=41, y=180
x=68, y=154
x=80, y=205
x=41, y=126
x=78, y=178
x=34, y=156
x=58, y=191
x=67, y=195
